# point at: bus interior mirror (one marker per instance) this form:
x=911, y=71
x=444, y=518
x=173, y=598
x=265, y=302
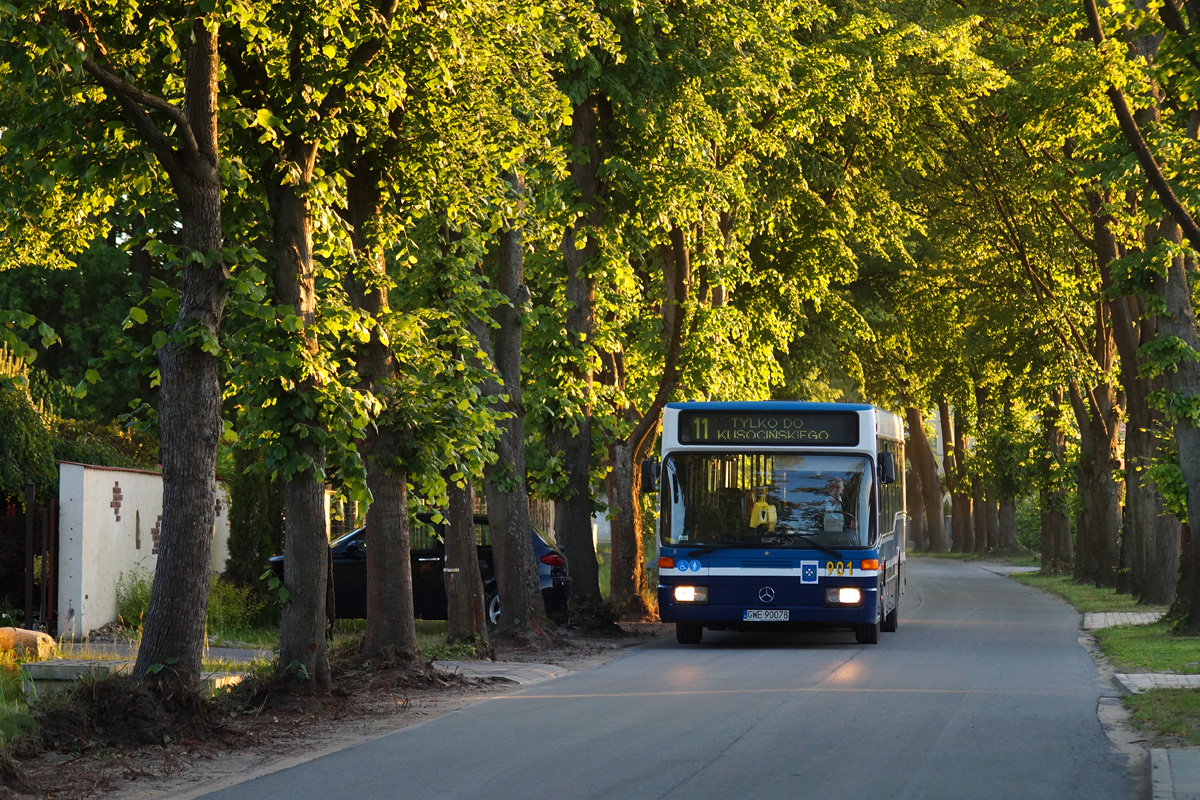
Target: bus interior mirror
x=887, y=468
x=650, y=476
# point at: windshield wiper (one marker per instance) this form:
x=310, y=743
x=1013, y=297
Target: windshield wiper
x=824, y=548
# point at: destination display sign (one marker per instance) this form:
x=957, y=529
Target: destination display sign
x=774, y=428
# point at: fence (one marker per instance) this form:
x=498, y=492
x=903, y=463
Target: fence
x=29, y=563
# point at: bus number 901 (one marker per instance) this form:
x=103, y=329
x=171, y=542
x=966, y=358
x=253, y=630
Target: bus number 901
x=840, y=568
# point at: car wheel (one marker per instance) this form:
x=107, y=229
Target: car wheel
x=492, y=603
x=688, y=632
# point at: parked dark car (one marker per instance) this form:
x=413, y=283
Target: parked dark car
x=428, y=558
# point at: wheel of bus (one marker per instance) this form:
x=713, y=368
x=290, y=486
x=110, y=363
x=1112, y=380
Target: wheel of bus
x=688, y=632
x=867, y=633
x=892, y=621
x=492, y=604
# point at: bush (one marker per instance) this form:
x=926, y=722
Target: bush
x=229, y=606
x=1029, y=523
x=133, y=597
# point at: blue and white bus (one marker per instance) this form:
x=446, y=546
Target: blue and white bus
x=780, y=515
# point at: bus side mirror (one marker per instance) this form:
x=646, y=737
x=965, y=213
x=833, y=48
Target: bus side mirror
x=887, y=468
x=650, y=476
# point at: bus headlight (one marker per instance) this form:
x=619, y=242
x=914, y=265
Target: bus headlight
x=843, y=595
x=691, y=594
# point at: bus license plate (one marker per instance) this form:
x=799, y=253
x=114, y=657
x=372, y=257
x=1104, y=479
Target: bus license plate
x=765, y=615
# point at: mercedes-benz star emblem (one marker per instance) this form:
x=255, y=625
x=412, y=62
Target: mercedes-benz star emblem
x=766, y=594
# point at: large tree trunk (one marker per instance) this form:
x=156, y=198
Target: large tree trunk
x=991, y=510
x=521, y=608
x=1153, y=533
x=1057, y=548
x=303, y=649
x=914, y=501
x=979, y=519
x=390, y=617
x=626, y=456
x=1149, y=536
x=190, y=400
x=964, y=532
x=573, y=510
x=466, y=608
x=1100, y=518
x=508, y=504
x=1008, y=525
x=390, y=621
x=931, y=485
x=628, y=552
x=1178, y=322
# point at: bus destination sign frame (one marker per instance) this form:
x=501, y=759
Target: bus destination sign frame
x=770, y=428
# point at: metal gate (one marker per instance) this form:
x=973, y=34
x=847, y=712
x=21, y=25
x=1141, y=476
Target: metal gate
x=29, y=564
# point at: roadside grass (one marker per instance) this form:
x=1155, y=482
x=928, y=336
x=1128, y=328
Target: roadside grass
x=1150, y=648
x=1013, y=559
x=1171, y=716
x=1083, y=596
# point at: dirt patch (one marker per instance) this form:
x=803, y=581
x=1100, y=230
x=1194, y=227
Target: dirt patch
x=276, y=731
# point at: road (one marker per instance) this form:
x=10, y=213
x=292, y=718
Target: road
x=984, y=692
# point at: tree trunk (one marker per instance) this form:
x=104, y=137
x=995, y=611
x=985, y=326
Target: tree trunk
x=303, y=649
x=625, y=457
x=1008, y=525
x=948, y=471
x=189, y=418
x=992, y=510
x=573, y=511
x=628, y=570
x=390, y=616
x=466, y=608
x=915, y=502
x=1099, y=520
x=1149, y=536
x=982, y=541
x=1178, y=322
x=1057, y=550
x=931, y=485
x=506, y=488
x=964, y=532
x=508, y=502
x=390, y=622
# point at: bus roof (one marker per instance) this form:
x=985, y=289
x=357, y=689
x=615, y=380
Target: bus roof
x=769, y=405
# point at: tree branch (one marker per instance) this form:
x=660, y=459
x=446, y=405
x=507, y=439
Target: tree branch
x=1133, y=135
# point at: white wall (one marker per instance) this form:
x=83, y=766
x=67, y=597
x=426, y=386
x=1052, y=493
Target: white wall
x=108, y=527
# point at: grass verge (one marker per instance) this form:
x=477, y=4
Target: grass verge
x=1150, y=648
x=1084, y=597
x=1170, y=716
x=1013, y=559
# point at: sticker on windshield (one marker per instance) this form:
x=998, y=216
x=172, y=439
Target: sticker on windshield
x=808, y=572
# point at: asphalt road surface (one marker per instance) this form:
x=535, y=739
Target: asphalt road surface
x=984, y=692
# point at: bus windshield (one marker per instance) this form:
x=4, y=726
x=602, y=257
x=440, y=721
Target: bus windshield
x=755, y=499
